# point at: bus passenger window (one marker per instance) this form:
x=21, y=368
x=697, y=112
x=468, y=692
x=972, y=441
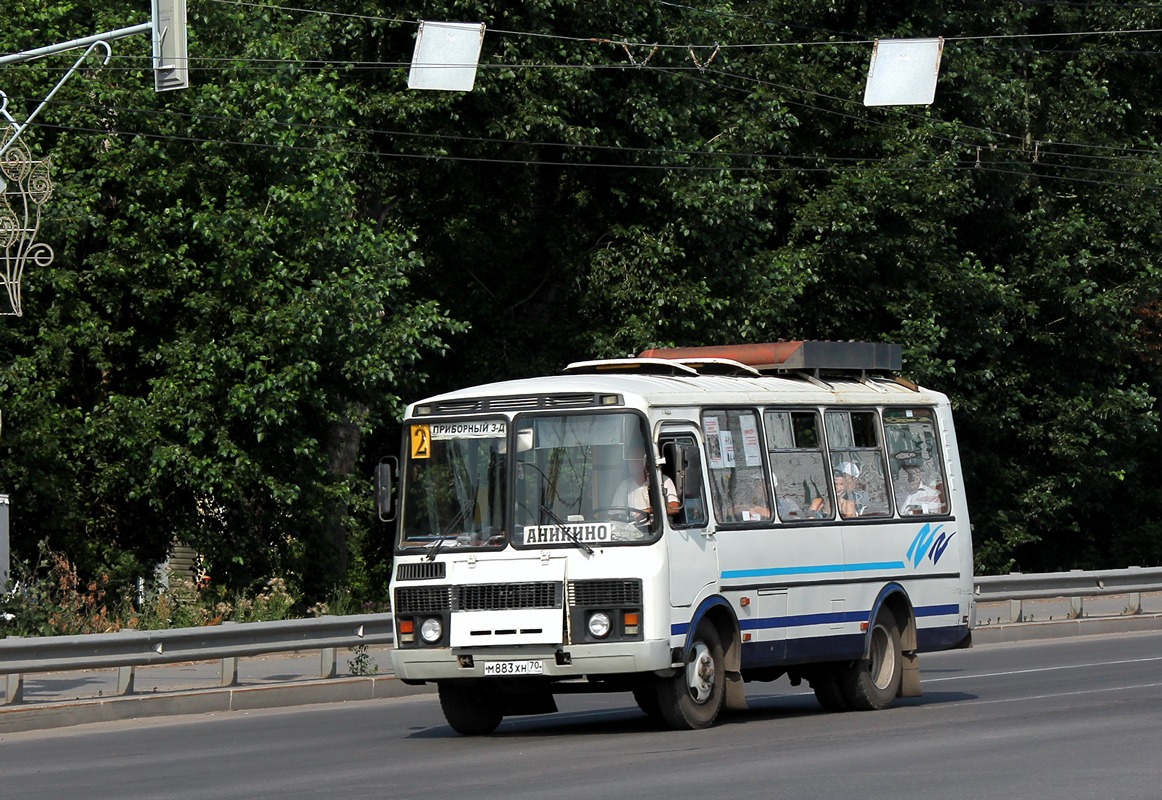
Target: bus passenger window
x=738, y=483
x=795, y=446
x=857, y=464
x=913, y=456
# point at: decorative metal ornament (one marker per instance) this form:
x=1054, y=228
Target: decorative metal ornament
x=25, y=186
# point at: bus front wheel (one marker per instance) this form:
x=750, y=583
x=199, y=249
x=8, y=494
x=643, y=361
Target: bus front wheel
x=872, y=683
x=692, y=698
x=468, y=711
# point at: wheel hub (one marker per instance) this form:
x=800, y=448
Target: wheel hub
x=700, y=673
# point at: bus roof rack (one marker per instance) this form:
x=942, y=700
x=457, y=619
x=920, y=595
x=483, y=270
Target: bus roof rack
x=811, y=356
x=719, y=366
x=640, y=366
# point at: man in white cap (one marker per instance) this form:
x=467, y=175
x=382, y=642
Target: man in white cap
x=852, y=501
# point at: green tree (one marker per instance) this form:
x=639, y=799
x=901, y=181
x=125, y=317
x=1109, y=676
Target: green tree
x=253, y=274
x=223, y=323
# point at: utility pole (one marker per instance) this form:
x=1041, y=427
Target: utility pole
x=25, y=184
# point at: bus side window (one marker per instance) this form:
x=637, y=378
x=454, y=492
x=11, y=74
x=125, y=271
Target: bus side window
x=857, y=464
x=684, y=467
x=738, y=481
x=795, y=446
x=914, y=461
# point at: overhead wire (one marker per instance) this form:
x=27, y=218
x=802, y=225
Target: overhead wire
x=230, y=63
x=961, y=143
x=830, y=164
x=683, y=46
x=863, y=118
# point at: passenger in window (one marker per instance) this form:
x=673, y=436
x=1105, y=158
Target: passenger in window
x=790, y=509
x=752, y=502
x=852, y=500
x=913, y=496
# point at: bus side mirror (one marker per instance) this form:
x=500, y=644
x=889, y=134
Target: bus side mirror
x=385, y=472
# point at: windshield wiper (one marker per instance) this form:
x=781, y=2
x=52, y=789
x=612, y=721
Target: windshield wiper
x=445, y=534
x=434, y=548
x=572, y=534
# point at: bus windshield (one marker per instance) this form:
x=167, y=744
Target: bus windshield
x=582, y=479
x=577, y=480
x=454, y=485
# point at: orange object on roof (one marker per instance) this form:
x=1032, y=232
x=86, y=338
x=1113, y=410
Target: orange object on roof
x=807, y=355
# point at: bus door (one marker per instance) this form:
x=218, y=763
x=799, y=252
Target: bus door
x=690, y=547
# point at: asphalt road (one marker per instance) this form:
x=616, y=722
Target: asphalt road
x=1063, y=719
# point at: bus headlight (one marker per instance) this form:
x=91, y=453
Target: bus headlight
x=431, y=630
x=598, y=624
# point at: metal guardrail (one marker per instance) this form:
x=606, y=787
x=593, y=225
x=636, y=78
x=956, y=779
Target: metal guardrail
x=129, y=649
x=1075, y=584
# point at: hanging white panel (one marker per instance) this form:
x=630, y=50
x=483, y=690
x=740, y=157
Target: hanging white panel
x=903, y=72
x=446, y=56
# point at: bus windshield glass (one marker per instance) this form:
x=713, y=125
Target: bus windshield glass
x=582, y=480
x=454, y=485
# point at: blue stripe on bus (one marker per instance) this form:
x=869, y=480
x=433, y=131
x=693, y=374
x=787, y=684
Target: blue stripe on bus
x=802, y=620
x=817, y=569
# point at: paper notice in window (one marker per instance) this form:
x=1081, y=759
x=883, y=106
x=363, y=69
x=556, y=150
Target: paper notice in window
x=750, y=440
x=713, y=443
x=727, y=440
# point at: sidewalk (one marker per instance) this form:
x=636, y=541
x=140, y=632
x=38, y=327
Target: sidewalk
x=60, y=699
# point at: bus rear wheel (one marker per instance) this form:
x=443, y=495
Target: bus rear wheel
x=872, y=683
x=692, y=698
x=828, y=691
x=469, y=711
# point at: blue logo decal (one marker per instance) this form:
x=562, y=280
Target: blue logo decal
x=929, y=542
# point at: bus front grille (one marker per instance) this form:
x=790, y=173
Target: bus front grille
x=606, y=593
x=422, y=599
x=504, y=596
x=421, y=571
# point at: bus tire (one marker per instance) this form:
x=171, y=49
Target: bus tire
x=469, y=711
x=872, y=683
x=692, y=699
x=647, y=700
x=828, y=691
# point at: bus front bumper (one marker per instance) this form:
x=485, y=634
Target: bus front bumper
x=543, y=661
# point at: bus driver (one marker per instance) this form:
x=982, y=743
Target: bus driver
x=634, y=491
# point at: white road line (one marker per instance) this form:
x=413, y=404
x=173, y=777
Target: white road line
x=1038, y=669
x=1054, y=695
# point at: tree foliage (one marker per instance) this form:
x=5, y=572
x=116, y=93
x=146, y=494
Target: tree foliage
x=254, y=274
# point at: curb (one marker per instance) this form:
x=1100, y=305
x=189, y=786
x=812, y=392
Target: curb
x=43, y=716
x=1007, y=633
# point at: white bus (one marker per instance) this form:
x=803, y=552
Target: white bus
x=799, y=511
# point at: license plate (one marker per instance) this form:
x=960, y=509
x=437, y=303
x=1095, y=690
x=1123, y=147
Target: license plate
x=504, y=668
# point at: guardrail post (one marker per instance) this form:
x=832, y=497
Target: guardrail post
x=125, y=677
x=1015, y=611
x=327, y=667
x=13, y=688
x=1134, y=603
x=125, y=674
x=229, y=672
x=229, y=668
x=13, y=685
x=1076, y=607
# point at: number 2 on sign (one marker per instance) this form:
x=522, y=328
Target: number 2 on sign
x=421, y=441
